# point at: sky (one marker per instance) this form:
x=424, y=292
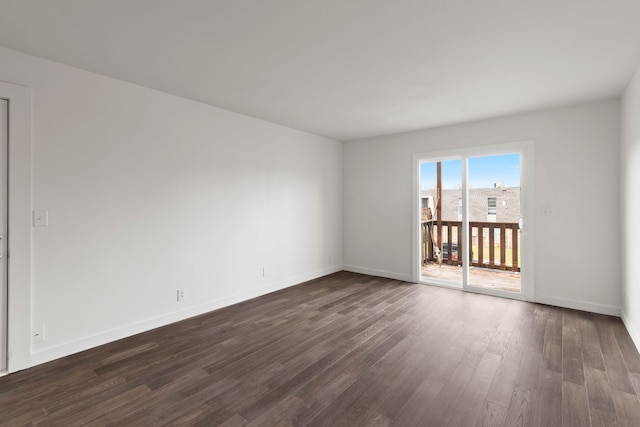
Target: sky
x=484, y=172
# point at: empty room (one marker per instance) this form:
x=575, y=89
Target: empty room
x=319, y=213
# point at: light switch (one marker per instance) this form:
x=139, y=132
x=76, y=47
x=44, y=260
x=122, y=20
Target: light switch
x=40, y=218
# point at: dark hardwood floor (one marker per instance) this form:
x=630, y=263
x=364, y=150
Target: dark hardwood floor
x=347, y=350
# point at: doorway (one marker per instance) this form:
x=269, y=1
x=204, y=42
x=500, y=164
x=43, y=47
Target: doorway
x=471, y=210
x=4, y=300
x=15, y=175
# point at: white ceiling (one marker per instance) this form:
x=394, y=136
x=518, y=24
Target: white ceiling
x=345, y=68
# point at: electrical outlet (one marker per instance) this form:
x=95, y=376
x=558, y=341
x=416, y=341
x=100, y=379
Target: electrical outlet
x=180, y=295
x=37, y=334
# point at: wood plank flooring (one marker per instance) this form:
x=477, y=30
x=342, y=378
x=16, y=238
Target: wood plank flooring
x=347, y=350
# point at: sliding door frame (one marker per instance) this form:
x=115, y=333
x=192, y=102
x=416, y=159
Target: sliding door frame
x=527, y=161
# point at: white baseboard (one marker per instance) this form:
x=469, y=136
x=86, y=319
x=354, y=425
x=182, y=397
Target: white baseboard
x=631, y=328
x=379, y=273
x=543, y=299
x=579, y=305
x=105, y=337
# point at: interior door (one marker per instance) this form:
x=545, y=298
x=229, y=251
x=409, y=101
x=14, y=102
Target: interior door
x=4, y=138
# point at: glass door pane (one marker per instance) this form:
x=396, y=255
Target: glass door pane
x=441, y=222
x=494, y=211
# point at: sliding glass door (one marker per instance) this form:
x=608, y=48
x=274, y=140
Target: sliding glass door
x=470, y=215
x=441, y=221
x=494, y=212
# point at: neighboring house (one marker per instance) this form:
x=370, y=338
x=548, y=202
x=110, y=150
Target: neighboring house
x=497, y=204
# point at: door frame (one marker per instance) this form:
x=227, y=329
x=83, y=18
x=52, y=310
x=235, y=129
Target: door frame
x=19, y=231
x=527, y=152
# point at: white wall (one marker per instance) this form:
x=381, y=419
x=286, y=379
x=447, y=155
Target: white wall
x=576, y=153
x=148, y=193
x=630, y=195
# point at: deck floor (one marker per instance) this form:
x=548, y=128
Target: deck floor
x=481, y=277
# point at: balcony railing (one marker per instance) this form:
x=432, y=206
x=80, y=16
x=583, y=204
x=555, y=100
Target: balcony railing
x=493, y=244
